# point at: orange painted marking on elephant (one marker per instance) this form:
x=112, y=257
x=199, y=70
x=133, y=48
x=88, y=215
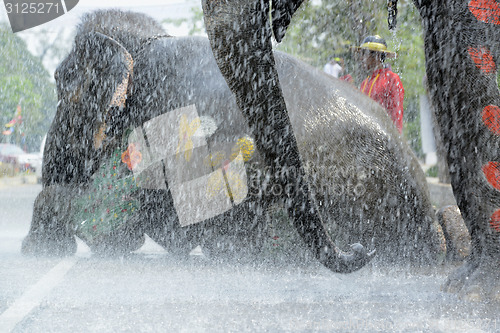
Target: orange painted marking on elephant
x=483, y=59
x=495, y=220
x=492, y=174
x=487, y=11
x=491, y=118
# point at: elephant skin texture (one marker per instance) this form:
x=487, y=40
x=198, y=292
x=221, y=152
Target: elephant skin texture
x=183, y=125
x=455, y=232
x=462, y=51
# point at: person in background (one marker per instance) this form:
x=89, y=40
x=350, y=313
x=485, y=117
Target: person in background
x=382, y=84
x=334, y=67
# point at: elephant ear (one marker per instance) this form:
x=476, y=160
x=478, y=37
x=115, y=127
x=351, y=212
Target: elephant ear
x=282, y=12
x=107, y=68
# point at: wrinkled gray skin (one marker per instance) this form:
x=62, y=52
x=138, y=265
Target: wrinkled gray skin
x=460, y=91
x=343, y=139
x=240, y=37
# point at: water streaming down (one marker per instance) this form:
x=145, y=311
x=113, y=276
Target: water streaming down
x=175, y=165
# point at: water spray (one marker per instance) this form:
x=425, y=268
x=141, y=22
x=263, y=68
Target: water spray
x=392, y=13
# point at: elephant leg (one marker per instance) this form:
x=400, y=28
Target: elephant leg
x=241, y=240
x=51, y=232
x=240, y=37
x=461, y=42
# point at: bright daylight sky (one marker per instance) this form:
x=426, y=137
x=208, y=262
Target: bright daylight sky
x=124, y=3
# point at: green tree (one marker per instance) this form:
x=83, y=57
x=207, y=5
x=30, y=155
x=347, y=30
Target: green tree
x=24, y=81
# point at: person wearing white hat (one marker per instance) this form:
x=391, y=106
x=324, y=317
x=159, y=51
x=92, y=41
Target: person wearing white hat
x=382, y=85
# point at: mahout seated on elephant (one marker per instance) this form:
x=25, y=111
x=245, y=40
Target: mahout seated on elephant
x=149, y=138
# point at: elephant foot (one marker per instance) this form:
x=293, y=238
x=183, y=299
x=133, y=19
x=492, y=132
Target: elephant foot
x=476, y=282
x=46, y=245
x=51, y=232
x=121, y=241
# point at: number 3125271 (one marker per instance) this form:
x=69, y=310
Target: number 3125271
x=32, y=8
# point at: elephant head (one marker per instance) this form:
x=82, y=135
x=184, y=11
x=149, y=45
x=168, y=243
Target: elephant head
x=92, y=85
x=240, y=36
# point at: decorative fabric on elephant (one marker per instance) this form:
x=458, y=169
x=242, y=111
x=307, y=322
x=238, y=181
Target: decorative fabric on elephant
x=488, y=11
x=495, y=221
x=132, y=156
x=483, y=59
x=491, y=118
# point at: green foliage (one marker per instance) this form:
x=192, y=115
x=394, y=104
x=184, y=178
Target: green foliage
x=320, y=30
x=411, y=131
x=24, y=81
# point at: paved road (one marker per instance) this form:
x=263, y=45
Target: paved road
x=149, y=292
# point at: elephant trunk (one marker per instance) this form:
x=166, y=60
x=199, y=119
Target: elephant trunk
x=240, y=37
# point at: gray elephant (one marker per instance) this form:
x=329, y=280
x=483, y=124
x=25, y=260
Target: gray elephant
x=461, y=55
x=205, y=164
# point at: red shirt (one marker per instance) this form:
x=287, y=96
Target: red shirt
x=385, y=87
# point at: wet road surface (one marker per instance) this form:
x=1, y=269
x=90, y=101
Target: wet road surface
x=149, y=291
